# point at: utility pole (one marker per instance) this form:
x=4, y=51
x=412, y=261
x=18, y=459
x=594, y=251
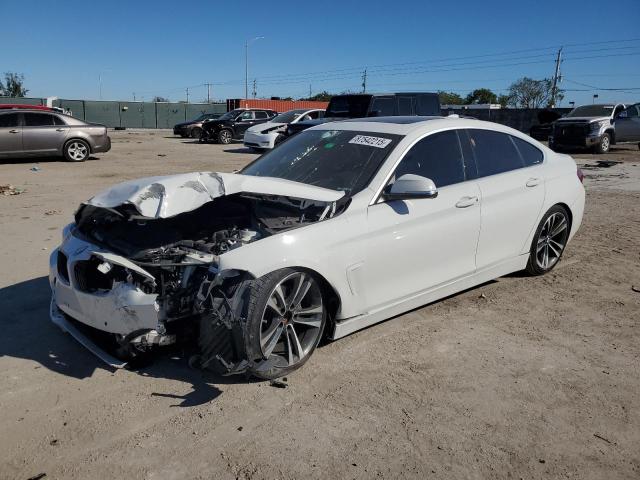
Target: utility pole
x=187, y=94
x=134, y=96
x=364, y=81
x=208, y=92
x=309, y=90
x=254, y=88
x=556, y=76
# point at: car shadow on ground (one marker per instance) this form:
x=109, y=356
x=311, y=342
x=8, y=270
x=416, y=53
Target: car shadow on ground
x=29, y=334
x=241, y=150
x=38, y=160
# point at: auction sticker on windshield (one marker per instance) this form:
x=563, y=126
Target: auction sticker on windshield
x=377, y=142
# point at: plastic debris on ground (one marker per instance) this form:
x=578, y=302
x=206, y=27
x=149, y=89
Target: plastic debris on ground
x=7, y=190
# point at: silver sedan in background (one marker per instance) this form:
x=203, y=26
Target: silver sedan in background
x=26, y=133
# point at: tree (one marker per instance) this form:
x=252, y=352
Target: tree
x=504, y=100
x=323, y=96
x=13, y=85
x=530, y=93
x=481, y=95
x=159, y=99
x=450, y=98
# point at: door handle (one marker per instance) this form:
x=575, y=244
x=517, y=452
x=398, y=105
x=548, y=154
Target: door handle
x=465, y=202
x=59, y=129
x=533, y=182
x=14, y=131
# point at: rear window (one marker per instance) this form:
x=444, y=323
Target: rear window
x=38, y=119
x=9, y=120
x=494, y=152
x=530, y=154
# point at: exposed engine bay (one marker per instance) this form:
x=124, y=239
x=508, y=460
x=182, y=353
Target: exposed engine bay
x=175, y=258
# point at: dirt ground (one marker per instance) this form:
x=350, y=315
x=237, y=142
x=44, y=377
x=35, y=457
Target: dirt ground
x=519, y=378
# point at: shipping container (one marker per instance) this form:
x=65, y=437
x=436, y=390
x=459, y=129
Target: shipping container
x=277, y=105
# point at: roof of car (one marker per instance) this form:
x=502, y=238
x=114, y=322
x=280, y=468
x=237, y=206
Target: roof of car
x=407, y=125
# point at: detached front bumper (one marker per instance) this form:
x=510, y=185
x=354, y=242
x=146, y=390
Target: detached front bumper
x=259, y=140
x=123, y=310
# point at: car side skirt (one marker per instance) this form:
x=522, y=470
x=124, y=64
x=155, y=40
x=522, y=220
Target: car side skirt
x=347, y=326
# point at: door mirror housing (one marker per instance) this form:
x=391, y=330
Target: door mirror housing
x=410, y=186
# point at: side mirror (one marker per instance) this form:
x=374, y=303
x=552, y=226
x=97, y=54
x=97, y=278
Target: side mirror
x=411, y=186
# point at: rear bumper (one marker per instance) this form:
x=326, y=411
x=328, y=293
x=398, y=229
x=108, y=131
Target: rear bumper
x=103, y=146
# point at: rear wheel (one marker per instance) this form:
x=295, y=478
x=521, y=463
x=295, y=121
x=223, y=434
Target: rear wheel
x=549, y=241
x=76, y=150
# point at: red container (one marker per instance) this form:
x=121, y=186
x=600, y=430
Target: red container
x=277, y=105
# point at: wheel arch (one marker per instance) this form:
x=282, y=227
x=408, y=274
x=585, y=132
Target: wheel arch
x=612, y=133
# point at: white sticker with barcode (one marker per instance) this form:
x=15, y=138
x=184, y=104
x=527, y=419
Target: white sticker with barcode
x=377, y=142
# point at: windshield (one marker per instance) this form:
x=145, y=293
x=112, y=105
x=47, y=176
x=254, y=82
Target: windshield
x=230, y=115
x=349, y=106
x=288, y=117
x=591, y=111
x=343, y=160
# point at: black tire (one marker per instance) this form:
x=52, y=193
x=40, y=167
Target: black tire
x=268, y=368
x=279, y=139
x=604, y=144
x=225, y=136
x=76, y=150
x=545, y=239
x=196, y=132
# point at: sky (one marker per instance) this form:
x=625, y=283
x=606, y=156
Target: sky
x=119, y=49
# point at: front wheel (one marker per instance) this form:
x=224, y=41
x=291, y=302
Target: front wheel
x=196, y=133
x=76, y=151
x=225, y=137
x=286, y=318
x=605, y=144
x=549, y=241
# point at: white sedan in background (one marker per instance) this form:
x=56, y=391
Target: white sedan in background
x=267, y=135
x=340, y=227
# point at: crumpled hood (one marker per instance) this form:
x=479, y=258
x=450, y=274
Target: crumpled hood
x=264, y=126
x=582, y=119
x=167, y=196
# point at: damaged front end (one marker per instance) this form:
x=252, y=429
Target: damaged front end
x=139, y=268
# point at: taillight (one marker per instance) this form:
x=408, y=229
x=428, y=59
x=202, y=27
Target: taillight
x=580, y=176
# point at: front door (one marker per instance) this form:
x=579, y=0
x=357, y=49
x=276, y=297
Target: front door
x=246, y=120
x=628, y=125
x=43, y=133
x=418, y=244
x=10, y=134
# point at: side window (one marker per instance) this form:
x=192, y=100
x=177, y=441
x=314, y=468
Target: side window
x=9, y=120
x=38, y=119
x=530, y=154
x=246, y=116
x=314, y=115
x=320, y=114
x=427, y=105
x=632, y=111
x=261, y=115
x=405, y=105
x=494, y=152
x=58, y=121
x=437, y=157
x=384, y=106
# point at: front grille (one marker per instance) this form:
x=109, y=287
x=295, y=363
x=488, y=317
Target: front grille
x=574, y=134
x=63, y=271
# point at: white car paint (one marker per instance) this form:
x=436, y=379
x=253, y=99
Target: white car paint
x=380, y=259
x=264, y=136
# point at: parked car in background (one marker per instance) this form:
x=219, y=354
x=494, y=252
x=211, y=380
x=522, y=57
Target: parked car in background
x=627, y=125
x=266, y=135
x=542, y=131
x=373, y=105
x=338, y=228
x=193, y=128
x=587, y=126
x=37, y=132
x=233, y=124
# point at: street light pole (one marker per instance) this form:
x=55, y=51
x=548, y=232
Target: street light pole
x=246, y=65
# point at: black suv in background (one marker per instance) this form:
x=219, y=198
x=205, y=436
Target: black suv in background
x=233, y=124
x=193, y=128
x=373, y=105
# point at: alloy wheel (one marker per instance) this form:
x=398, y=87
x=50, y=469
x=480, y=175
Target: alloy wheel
x=77, y=150
x=292, y=319
x=552, y=240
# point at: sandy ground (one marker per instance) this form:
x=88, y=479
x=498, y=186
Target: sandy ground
x=519, y=378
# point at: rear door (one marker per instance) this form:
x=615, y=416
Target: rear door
x=10, y=134
x=511, y=181
x=628, y=125
x=246, y=120
x=43, y=133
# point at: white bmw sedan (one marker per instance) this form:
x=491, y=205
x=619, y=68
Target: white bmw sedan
x=342, y=226
x=267, y=135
